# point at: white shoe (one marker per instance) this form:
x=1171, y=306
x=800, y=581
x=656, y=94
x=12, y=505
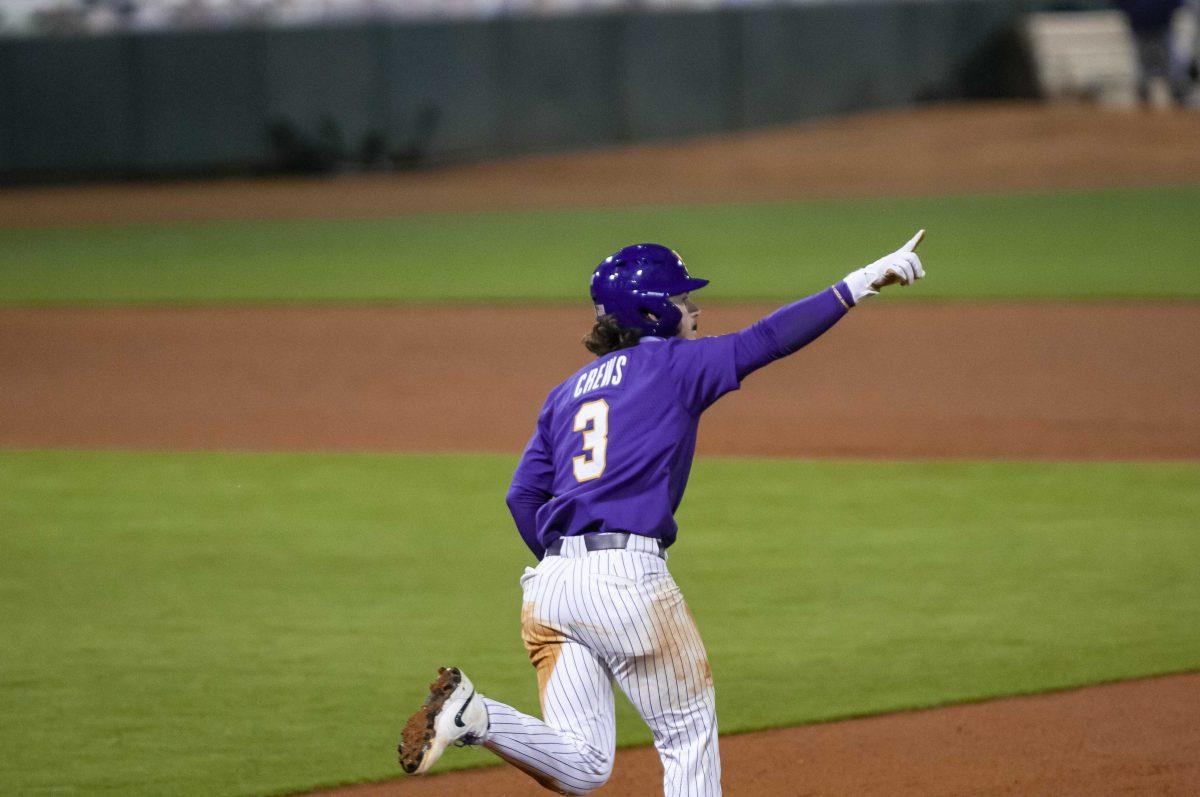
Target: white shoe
x=452, y=713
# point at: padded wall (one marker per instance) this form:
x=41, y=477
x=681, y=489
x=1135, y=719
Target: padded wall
x=207, y=101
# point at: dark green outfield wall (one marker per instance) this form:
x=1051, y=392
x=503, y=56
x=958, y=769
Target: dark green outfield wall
x=204, y=101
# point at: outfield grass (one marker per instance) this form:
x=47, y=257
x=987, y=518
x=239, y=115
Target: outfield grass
x=1105, y=244
x=236, y=623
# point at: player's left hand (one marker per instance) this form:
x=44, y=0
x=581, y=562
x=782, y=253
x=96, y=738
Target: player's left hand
x=902, y=267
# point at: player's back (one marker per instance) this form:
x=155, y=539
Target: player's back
x=620, y=434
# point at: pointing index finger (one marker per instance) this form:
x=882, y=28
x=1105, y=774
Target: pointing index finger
x=914, y=242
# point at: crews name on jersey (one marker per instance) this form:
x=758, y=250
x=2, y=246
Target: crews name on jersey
x=603, y=375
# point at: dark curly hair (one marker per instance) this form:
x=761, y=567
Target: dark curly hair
x=608, y=335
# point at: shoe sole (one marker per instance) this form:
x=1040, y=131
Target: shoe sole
x=419, y=731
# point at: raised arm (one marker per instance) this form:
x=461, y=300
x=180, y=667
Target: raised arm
x=794, y=326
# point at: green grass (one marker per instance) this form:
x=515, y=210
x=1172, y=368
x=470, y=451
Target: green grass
x=237, y=623
x=1104, y=244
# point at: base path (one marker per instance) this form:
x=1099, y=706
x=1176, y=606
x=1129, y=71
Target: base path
x=1137, y=737
x=1081, y=380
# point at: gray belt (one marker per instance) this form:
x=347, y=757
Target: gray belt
x=604, y=541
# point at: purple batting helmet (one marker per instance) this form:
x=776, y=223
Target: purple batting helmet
x=636, y=284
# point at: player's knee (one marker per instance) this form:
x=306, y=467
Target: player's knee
x=586, y=786
x=588, y=781
x=584, y=778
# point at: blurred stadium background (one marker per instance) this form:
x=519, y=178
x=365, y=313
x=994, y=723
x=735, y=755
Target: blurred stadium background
x=265, y=266
x=201, y=87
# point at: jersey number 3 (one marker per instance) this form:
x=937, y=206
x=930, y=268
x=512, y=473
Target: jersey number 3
x=590, y=464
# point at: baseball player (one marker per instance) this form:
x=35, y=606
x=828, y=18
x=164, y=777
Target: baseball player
x=594, y=497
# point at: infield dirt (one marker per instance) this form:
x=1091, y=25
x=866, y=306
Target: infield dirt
x=1091, y=380
x=1137, y=737
x=1044, y=380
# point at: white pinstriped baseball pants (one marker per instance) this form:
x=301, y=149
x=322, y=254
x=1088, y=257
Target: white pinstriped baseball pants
x=589, y=618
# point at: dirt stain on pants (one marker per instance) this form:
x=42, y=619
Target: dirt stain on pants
x=544, y=645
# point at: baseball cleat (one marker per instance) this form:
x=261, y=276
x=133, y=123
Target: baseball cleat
x=452, y=713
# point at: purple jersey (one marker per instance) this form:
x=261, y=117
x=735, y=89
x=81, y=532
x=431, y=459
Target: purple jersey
x=614, y=442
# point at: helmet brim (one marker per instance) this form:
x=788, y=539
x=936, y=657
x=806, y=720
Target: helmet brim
x=686, y=286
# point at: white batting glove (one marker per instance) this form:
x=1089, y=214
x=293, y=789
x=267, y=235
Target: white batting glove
x=900, y=267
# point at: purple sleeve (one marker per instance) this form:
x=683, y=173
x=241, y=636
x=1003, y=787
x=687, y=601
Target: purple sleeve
x=703, y=370
x=789, y=329
x=524, y=504
x=532, y=482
